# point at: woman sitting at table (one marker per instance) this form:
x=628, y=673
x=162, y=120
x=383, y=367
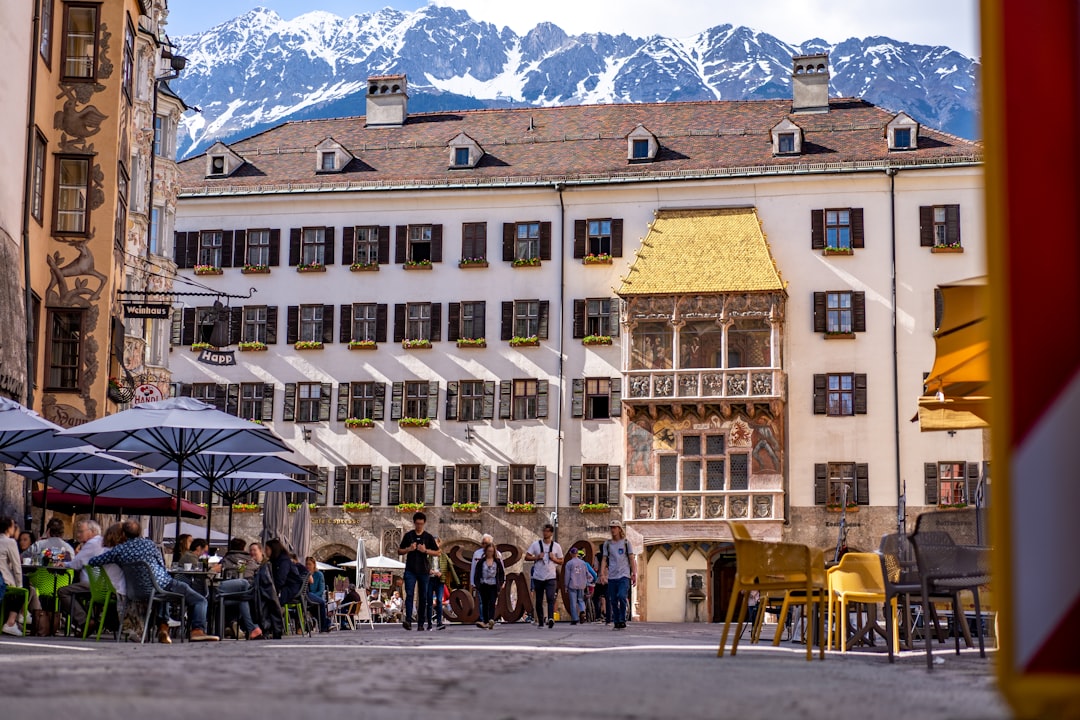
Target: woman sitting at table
x=183, y=543
x=287, y=578
x=53, y=543
x=26, y=539
x=11, y=576
x=317, y=592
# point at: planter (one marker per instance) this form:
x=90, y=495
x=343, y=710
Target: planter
x=524, y=342
x=208, y=270
x=359, y=423
x=596, y=340
x=409, y=507
x=310, y=268
x=414, y=422
x=356, y=507
x=596, y=260
x=837, y=251
x=840, y=336
x=521, y=508
x=361, y=267
x=418, y=266
x=472, y=263
x=945, y=249
x=471, y=343
x=954, y=506
x=251, y=347
x=416, y=344
x=308, y=345
x=293, y=507
x=245, y=508
x=837, y=508
x=587, y=508
x=363, y=345
x=199, y=347
x=465, y=508
x=119, y=395
x=530, y=262
x=255, y=270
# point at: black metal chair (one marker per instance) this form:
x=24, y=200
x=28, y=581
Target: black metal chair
x=140, y=576
x=236, y=597
x=901, y=573
x=949, y=562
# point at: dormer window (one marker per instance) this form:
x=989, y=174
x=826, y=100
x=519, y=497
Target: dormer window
x=902, y=133
x=785, y=143
x=329, y=162
x=786, y=138
x=641, y=145
x=221, y=160
x=461, y=156
x=331, y=156
x=217, y=164
x=464, y=152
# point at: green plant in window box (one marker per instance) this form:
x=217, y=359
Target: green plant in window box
x=362, y=345
x=417, y=344
x=293, y=507
x=257, y=421
x=596, y=340
x=594, y=507
x=953, y=506
x=418, y=264
x=310, y=267
x=364, y=266
x=526, y=262
x=208, y=270
x=356, y=507
x=596, y=259
x=518, y=341
x=253, y=346
x=414, y=422
x=255, y=269
x=309, y=345
x=473, y=262
x=472, y=343
x=466, y=507
x=245, y=507
x=359, y=423
x=835, y=250
x=839, y=334
x=409, y=507
x=526, y=507
x=200, y=346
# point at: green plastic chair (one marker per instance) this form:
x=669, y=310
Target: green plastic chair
x=48, y=586
x=102, y=594
x=25, y=604
x=298, y=606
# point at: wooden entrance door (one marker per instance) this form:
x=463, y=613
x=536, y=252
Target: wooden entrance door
x=723, y=579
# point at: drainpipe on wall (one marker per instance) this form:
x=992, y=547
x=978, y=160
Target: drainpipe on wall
x=559, y=187
x=891, y=173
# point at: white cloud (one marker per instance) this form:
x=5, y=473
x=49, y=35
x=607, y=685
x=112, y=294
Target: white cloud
x=932, y=22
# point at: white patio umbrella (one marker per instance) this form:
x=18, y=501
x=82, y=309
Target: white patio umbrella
x=361, y=563
x=98, y=484
x=379, y=562
x=178, y=429
x=23, y=429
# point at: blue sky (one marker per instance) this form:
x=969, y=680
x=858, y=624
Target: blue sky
x=934, y=22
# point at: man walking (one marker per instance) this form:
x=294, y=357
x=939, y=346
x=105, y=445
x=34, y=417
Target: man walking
x=619, y=570
x=546, y=555
x=418, y=546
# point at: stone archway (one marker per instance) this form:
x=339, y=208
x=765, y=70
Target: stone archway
x=330, y=550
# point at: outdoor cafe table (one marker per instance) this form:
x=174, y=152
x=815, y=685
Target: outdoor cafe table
x=210, y=578
x=55, y=570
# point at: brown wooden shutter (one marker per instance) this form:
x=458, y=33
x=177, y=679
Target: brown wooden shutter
x=240, y=248
x=858, y=229
x=952, y=224
x=575, y=484
x=327, y=324
x=617, y=237
x=615, y=397
x=401, y=244
x=340, y=475
x=271, y=325
x=448, y=476
x=577, y=395
x=817, y=229
x=579, y=319
x=295, y=235
x=433, y=400
x=289, y=410
x=545, y=241
x=343, y=392
x=397, y=396
x=480, y=319
x=328, y=246
x=436, y=322
x=268, y=402
x=862, y=484
x=860, y=394
x=429, y=485
x=187, y=327
x=292, y=325
x=376, y=485
x=399, y=322
x=540, y=485
x=384, y=244
x=488, y=411
x=541, y=398
x=180, y=248
x=275, y=247
x=821, y=384
x=380, y=323
x=821, y=483
x=176, y=327
x=509, y=230
x=451, y=399
x=193, y=249
x=506, y=390
x=858, y=311
x=507, y=321
x=227, y=238
x=436, y=243
x=542, y=320
x=820, y=316
x=345, y=335
x=581, y=229
x=348, y=245
x=185, y=389
x=236, y=324
x=613, y=317
x=485, y=484
x=393, y=485
x=453, y=322
x=468, y=244
x=378, y=408
x=325, y=390
x=972, y=478
x=614, y=492
x=926, y=227
x=502, y=484
x=232, y=399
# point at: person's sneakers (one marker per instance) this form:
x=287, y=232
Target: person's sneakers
x=540, y=625
x=255, y=634
x=491, y=625
x=407, y=625
x=420, y=627
x=200, y=636
x=163, y=634
x=173, y=623
x=573, y=622
x=581, y=618
x=550, y=623
x=13, y=630
x=440, y=626
x=480, y=624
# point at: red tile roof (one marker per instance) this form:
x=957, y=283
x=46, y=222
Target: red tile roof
x=573, y=143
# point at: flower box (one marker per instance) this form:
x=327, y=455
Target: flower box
x=363, y=345
x=409, y=507
x=953, y=506
x=472, y=343
x=520, y=508
x=308, y=345
x=414, y=422
x=945, y=249
x=312, y=268
x=472, y=263
x=596, y=340
x=421, y=265
x=208, y=270
x=251, y=347
x=594, y=507
x=524, y=341
x=257, y=421
x=836, y=507
x=839, y=336
x=526, y=262
x=838, y=251
x=465, y=507
x=603, y=259
x=245, y=507
x=293, y=507
x=364, y=267
x=359, y=423
x=255, y=270
x=200, y=346
x=356, y=507
x=416, y=344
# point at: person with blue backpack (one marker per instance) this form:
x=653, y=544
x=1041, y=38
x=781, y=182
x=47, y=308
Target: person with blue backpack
x=578, y=574
x=619, y=570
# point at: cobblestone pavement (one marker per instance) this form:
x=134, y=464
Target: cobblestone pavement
x=514, y=671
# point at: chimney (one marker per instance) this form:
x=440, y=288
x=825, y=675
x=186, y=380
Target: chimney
x=387, y=101
x=810, y=83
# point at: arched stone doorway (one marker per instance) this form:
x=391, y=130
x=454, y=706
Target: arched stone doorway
x=334, y=553
x=721, y=580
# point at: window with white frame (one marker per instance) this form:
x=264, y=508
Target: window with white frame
x=598, y=241
x=526, y=318
x=467, y=484
x=412, y=483
x=418, y=321
x=366, y=245
x=258, y=248
x=254, y=329
x=364, y=317
x=210, y=242
x=416, y=399
x=313, y=246
x=311, y=323
x=527, y=241
x=522, y=483
x=308, y=399
x=362, y=400
x=251, y=401
x=419, y=248
x=470, y=400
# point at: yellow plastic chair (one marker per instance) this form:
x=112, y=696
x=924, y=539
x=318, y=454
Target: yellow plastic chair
x=857, y=579
x=773, y=567
x=793, y=598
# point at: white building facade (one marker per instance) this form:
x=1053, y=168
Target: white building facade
x=494, y=307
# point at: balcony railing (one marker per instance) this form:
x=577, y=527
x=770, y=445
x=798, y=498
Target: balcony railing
x=693, y=505
x=703, y=384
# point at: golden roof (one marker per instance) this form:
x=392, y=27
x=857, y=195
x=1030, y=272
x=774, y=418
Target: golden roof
x=719, y=250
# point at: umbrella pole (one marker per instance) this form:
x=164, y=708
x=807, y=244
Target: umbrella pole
x=44, y=504
x=179, y=493
x=93, y=505
x=230, y=520
x=209, y=510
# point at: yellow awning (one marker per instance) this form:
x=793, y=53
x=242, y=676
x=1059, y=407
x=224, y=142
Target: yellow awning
x=720, y=250
x=968, y=413
x=962, y=342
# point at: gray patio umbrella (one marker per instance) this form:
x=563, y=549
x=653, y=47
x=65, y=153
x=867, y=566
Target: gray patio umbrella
x=178, y=429
x=276, y=519
x=301, y=532
x=98, y=483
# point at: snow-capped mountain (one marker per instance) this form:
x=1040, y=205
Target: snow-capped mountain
x=259, y=70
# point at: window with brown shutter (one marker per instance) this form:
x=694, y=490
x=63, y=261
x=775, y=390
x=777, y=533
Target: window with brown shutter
x=474, y=241
x=939, y=227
